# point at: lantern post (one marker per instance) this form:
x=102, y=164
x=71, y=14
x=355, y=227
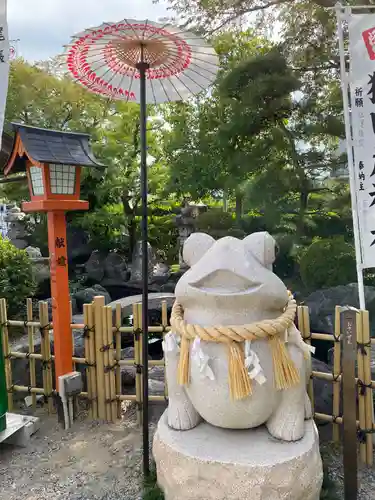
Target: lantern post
x=52, y=161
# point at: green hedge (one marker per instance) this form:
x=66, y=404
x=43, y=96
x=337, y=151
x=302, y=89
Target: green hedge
x=327, y=263
x=16, y=277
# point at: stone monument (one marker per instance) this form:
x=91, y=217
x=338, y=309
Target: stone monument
x=238, y=424
x=16, y=233
x=185, y=223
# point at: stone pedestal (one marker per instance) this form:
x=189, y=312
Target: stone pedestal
x=212, y=463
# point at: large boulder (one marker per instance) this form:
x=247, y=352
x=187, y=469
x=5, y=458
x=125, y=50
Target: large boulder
x=154, y=302
x=94, y=267
x=115, y=269
x=323, y=390
x=322, y=304
x=79, y=247
x=87, y=295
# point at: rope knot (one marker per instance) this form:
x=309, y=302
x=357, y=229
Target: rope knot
x=235, y=336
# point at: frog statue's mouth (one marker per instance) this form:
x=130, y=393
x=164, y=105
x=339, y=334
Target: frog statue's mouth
x=223, y=282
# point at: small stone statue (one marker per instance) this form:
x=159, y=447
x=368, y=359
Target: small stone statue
x=136, y=265
x=16, y=233
x=185, y=222
x=235, y=358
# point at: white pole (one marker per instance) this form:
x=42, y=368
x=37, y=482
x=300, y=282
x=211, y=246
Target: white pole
x=349, y=149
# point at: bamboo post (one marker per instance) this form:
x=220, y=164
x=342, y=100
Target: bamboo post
x=118, y=357
x=137, y=362
x=99, y=304
x=361, y=390
x=367, y=380
x=88, y=334
x=107, y=385
x=48, y=358
x=164, y=322
x=30, y=334
x=6, y=351
x=92, y=360
x=307, y=339
x=336, y=375
x=111, y=365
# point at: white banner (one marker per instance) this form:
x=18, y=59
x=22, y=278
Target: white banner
x=4, y=62
x=362, y=93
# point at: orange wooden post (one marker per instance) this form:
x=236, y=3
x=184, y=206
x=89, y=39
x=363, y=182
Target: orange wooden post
x=60, y=293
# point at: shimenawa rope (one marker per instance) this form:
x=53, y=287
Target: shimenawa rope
x=285, y=372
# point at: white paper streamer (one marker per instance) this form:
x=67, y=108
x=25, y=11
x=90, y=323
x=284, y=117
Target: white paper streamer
x=201, y=359
x=296, y=339
x=169, y=343
x=252, y=360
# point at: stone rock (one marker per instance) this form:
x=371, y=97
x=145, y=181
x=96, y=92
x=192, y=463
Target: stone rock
x=79, y=247
x=156, y=373
x=160, y=273
x=212, y=463
x=155, y=387
x=322, y=304
x=154, y=303
x=323, y=390
x=94, y=267
x=87, y=295
x=115, y=268
x=136, y=266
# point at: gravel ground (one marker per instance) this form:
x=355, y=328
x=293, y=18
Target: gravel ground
x=92, y=461
x=99, y=461
x=366, y=476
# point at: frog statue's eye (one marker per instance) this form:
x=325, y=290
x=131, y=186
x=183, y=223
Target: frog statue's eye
x=195, y=247
x=263, y=247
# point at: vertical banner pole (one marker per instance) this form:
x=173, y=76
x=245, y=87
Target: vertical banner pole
x=349, y=149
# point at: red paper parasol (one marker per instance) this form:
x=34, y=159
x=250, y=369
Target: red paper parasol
x=105, y=59
x=148, y=63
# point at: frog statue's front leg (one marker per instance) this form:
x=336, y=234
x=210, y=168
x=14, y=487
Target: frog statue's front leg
x=182, y=415
x=287, y=422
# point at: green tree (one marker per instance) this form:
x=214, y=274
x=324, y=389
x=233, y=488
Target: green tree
x=40, y=96
x=218, y=142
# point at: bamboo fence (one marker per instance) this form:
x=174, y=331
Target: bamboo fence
x=103, y=332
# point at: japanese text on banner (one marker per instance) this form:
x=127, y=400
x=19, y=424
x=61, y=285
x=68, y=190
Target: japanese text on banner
x=362, y=94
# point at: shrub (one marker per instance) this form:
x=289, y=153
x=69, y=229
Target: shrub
x=218, y=224
x=328, y=262
x=106, y=228
x=16, y=277
x=163, y=237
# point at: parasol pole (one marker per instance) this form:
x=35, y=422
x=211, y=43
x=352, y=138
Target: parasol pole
x=142, y=67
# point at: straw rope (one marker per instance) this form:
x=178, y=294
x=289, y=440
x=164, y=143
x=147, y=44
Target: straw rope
x=285, y=373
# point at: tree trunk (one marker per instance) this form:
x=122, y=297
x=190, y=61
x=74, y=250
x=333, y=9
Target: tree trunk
x=130, y=223
x=239, y=207
x=225, y=200
x=303, y=204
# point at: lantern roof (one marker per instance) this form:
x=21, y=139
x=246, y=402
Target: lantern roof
x=41, y=146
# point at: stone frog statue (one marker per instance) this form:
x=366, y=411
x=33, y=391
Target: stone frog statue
x=224, y=362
